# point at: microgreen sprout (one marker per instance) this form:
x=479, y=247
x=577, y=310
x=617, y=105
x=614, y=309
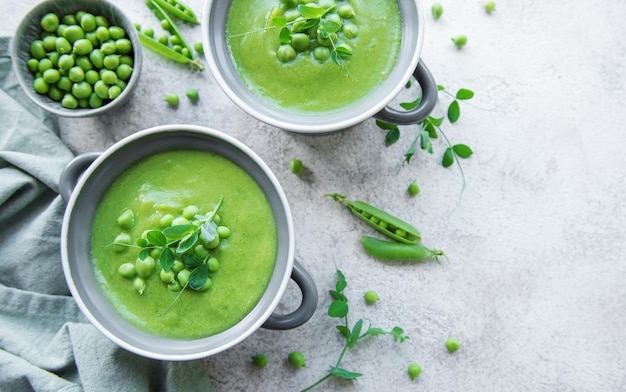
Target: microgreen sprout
x=339, y=309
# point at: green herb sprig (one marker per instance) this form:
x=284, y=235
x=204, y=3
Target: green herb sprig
x=353, y=334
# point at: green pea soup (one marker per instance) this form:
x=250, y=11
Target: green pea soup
x=165, y=183
x=307, y=84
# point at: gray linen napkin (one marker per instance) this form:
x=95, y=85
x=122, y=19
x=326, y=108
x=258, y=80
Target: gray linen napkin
x=46, y=344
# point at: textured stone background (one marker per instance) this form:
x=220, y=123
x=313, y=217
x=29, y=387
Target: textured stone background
x=535, y=285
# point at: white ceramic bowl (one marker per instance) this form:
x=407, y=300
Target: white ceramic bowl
x=221, y=64
x=84, y=182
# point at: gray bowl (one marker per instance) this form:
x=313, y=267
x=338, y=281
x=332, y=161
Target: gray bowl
x=29, y=30
x=220, y=63
x=84, y=182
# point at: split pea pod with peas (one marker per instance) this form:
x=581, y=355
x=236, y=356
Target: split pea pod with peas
x=380, y=220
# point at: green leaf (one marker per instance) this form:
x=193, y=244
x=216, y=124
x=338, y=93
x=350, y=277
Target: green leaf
x=343, y=50
x=166, y=259
x=198, y=277
x=143, y=254
x=156, y=238
x=425, y=143
x=337, y=295
x=440, y=87
x=448, y=157
x=191, y=260
x=208, y=231
x=187, y=242
x=462, y=150
x=342, y=373
x=392, y=136
x=342, y=283
x=431, y=129
x=374, y=331
x=344, y=331
x=435, y=121
x=284, y=36
x=398, y=334
x=464, y=94
x=355, y=334
x=303, y=25
x=279, y=21
x=329, y=27
x=334, y=56
x=411, y=151
x=338, y=309
x=311, y=12
x=454, y=111
x=385, y=125
x=142, y=242
x=411, y=105
x=179, y=231
x=408, y=84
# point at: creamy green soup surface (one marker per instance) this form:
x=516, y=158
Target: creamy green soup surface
x=165, y=183
x=307, y=84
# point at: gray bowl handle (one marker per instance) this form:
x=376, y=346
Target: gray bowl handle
x=307, y=306
x=419, y=113
x=73, y=171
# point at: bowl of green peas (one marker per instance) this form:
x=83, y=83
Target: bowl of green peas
x=76, y=58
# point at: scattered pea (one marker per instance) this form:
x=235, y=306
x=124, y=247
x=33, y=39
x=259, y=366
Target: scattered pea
x=346, y=11
x=121, y=242
x=145, y=267
x=127, y=270
x=190, y=211
x=371, y=297
x=296, y=359
x=201, y=251
x=178, y=266
x=490, y=6
x=183, y=277
x=286, y=53
x=321, y=53
x=198, y=47
x=460, y=41
x=166, y=220
x=414, y=189
x=437, y=10
x=139, y=285
x=259, y=360
x=192, y=94
x=213, y=264
x=174, y=286
x=171, y=99
x=452, y=345
x=300, y=41
x=414, y=370
x=296, y=166
x=167, y=276
x=223, y=231
x=126, y=219
x=180, y=220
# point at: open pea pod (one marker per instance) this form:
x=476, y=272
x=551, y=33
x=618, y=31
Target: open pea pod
x=380, y=220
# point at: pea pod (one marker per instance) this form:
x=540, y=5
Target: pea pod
x=382, y=221
x=163, y=50
x=389, y=250
x=178, y=9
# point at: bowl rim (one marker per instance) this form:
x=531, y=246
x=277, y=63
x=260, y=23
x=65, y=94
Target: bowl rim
x=205, y=346
x=24, y=76
x=311, y=123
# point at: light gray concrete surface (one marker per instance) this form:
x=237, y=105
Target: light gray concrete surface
x=535, y=287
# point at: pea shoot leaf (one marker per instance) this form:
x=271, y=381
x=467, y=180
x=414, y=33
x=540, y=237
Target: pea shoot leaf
x=311, y=12
x=408, y=84
x=143, y=254
x=337, y=295
x=142, y=242
x=374, y=331
x=464, y=93
x=408, y=155
x=425, y=143
x=342, y=373
x=156, y=238
x=328, y=26
x=191, y=260
x=284, y=35
x=355, y=334
x=454, y=111
x=279, y=21
x=398, y=334
x=462, y=150
x=440, y=87
x=208, y=231
x=343, y=50
x=179, y=231
x=448, y=157
x=392, y=136
x=338, y=309
x=344, y=330
x=187, y=242
x=198, y=277
x=166, y=259
x=412, y=104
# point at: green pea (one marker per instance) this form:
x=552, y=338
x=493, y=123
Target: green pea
x=300, y=41
x=286, y=53
x=82, y=46
x=60, y=29
x=102, y=33
x=326, y=39
x=145, y=267
x=139, y=285
x=123, y=46
x=174, y=286
x=452, y=345
x=62, y=45
x=165, y=24
x=178, y=266
x=109, y=77
x=192, y=94
x=78, y=16
x=92, y=76
x=350, y=30
x=108, y=47
x=201, y=251
x=335, y=18
x=96, y=57
x=102, y=21
x=177, y=48
x=164, y=40
x=207, y=285
x=33, y=65
x=259, y=360
x=84, y=63
x=183, y=277
x=198, y=47
x=437, y=10
x=171, y=99
x=213, y=264
x=126, y=219
x=69, y=19
x=51, y=75
x=370, y=297
x=166, y=220
x=149, y=32
x=175, y=40
x=190, y=211
x=82, y=90
x=291, y=15
x=124, y=71
x=111, y=61
x=40, y=86
x=55, y=93
x=69, y=101
x=296, y=359
x=167, y=276
x=95, y=101
x=76, y=74
x=346, y=11
x=49, y=42
x=127, y=270
x=156, y=252
x=223, y=231
x=49, y=22
x=414, y=370
x=116, y=32
x=490, y=6
x=414, y=189
x=66, y=61
x=37, y=50
x=217, y=219
x=296, y=166
x=88, y=22
x=126, y=59
x=460, y=41
x=101, y=89
x=64, y=83
x=73, y=33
